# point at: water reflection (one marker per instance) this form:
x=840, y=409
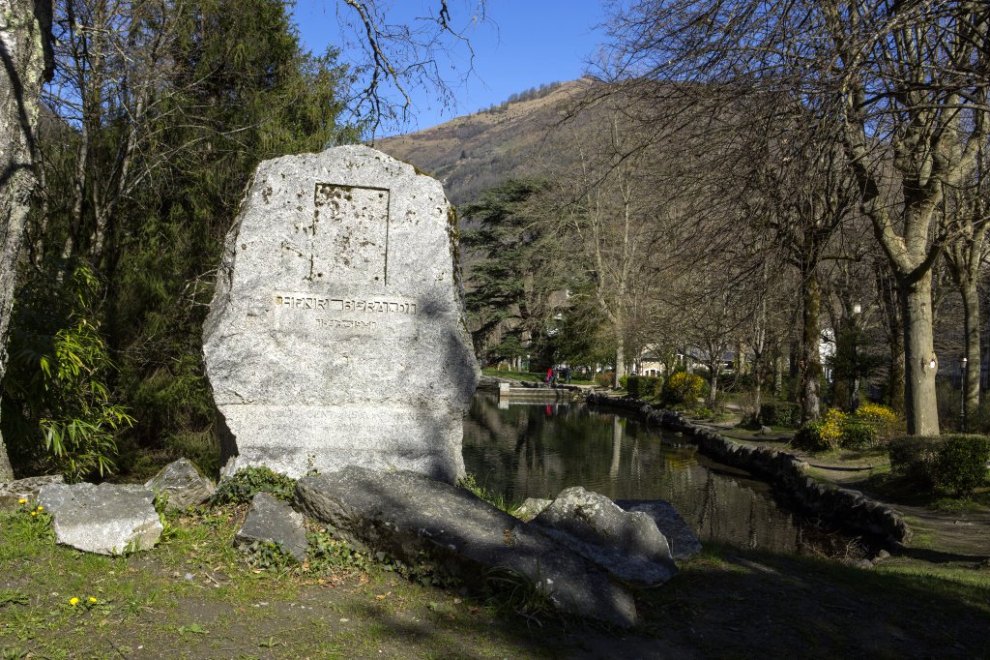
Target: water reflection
x=536, y=450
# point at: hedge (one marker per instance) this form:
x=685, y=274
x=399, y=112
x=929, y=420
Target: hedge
x=644, y=387
x=953, y=464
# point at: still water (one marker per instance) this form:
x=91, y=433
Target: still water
x=536, y=450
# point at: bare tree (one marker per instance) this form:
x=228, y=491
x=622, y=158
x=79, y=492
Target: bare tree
x=907, y=83
x=398, y=57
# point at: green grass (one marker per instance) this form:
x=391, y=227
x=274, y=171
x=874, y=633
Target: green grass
x=194, y=595
x=515, y=375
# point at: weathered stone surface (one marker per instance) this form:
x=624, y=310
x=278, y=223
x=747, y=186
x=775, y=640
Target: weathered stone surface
x=11, y=493
x=270, y=519
x=682, y=540
x=406, y=514
x=336, y=334
x=182, y=483
x=106, y=519
x=627, y=545
x=531, y=508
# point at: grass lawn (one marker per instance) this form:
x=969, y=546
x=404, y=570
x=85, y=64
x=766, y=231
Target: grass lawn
x=196, y=596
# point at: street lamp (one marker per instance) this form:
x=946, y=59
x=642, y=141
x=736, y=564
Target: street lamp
x=857, y=309
x=964, y=371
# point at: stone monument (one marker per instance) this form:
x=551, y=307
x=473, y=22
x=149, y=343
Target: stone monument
x=336, y=334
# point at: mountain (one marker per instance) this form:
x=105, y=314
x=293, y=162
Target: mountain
x=526, y=136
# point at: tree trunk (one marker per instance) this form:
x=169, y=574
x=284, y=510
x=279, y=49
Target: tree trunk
x=919, y=356
x=23, y=48
x=715, y=372
x=620, y=358
x=971, y=328
x=811, y=364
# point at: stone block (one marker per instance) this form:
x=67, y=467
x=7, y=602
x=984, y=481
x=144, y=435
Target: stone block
x=406, y=515
x=271, y=520
x=12, y=492
x=108, y=519
x=336, y=335
x=628, y=545
x=182, y=483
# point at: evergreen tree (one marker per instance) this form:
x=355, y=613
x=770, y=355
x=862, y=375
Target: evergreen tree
x=158, y=148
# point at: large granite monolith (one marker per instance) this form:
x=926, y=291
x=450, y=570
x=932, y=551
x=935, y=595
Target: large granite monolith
x=336, y=334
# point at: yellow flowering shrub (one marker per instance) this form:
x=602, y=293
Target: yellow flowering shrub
x=881, y=418
x=824, y=434
x=832, y=426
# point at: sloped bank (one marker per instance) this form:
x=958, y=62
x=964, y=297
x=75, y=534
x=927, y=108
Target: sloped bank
x=848, y=509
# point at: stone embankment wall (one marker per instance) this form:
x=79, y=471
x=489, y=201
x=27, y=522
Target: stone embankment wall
x=849, y=509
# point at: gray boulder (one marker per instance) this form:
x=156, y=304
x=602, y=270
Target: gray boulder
x=107, y=519
x=408, y=515
x=531, y=508
x=627, y=545
x=182, y=483
x=12, y=492
x=682, y=540
x=274, y=521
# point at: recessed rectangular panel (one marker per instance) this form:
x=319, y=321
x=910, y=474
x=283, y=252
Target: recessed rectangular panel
x=351, y=228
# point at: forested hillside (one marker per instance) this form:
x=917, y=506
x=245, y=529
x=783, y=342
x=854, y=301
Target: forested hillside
x=527, y=135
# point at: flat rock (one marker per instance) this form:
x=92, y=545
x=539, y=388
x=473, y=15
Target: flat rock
x=531, y=508
x=12, y=492
x=336, y=335
x=406, y=514
x=627, y=545
x=269, y=519
x=182, y=483
x=683, y=542
x=107, y=519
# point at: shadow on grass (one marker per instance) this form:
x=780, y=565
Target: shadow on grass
x=738, y=603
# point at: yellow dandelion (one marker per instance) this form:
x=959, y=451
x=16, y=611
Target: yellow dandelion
x=23, y=500
x=92, y=600
x=41, y=508
x=34, y=513
x=73, y=601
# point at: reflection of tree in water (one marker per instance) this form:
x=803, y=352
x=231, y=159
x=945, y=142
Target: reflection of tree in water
x=522, y=451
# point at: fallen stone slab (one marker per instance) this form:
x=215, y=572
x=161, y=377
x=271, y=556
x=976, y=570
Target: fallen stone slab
x=683, y=542
x=531, y=508
x=12, y=492
x=271, y=520
x=182, y=483
x=107, y=519
x=408, y=515
x=627, y=545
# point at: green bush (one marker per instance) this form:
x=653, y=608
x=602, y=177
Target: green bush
x=644, y=387
x=58, y=385
x=857, y=434
x=953, y=464
x=961, y=464
x=248, y=482
x=604, y=378
x=683, y=389
x=780, y=413
x=809, y=438
x=912, y=457
x=624, y=382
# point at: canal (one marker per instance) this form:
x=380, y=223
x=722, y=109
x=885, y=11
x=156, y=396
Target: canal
x=522, y=450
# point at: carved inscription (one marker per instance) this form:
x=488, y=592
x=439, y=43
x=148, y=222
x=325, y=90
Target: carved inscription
x=347, y=323
x=367, y=306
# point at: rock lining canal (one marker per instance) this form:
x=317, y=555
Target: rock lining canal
x=537, y=449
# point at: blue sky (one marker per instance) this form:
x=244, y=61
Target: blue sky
x=522, y=44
